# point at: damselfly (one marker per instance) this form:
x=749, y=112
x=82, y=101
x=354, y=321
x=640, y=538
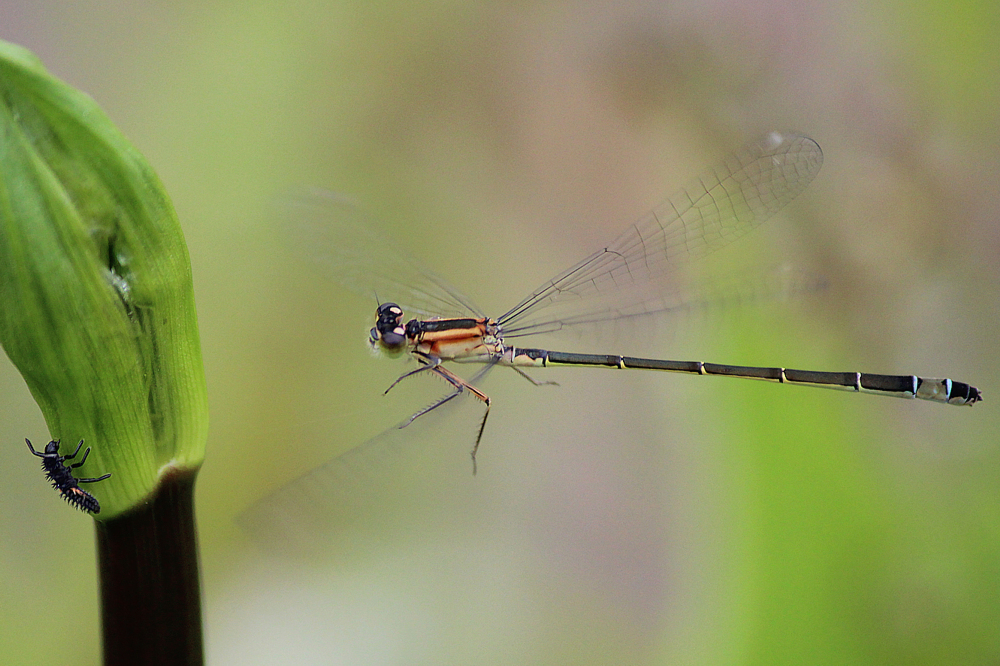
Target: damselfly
x=620, y=281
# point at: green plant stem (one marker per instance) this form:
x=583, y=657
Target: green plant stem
x=150, y=586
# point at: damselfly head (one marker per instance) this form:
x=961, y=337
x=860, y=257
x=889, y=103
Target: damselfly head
x=388, y=332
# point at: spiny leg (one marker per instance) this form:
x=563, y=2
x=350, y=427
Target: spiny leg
x=427, y=362
x=460, y=386
x=434, y=405
x=482, y=426
x=458, y=383
x=530, y=378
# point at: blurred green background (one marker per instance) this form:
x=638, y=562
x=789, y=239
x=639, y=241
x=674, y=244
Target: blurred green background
x=621, y=517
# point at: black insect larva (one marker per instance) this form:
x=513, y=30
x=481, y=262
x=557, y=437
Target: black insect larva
x=62, y=477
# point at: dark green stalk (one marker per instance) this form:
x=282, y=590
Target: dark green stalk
x=150, y=592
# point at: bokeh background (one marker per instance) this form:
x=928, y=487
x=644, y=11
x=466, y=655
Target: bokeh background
x=621, y=517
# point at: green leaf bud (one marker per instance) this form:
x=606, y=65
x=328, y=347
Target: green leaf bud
x=96, y=301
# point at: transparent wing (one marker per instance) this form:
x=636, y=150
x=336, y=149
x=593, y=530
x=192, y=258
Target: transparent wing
x=726, y=293
x=723, y=205
x=354, y=252
x=395, y=483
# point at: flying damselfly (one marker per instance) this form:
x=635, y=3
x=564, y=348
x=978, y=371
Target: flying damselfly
x=619, y=281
